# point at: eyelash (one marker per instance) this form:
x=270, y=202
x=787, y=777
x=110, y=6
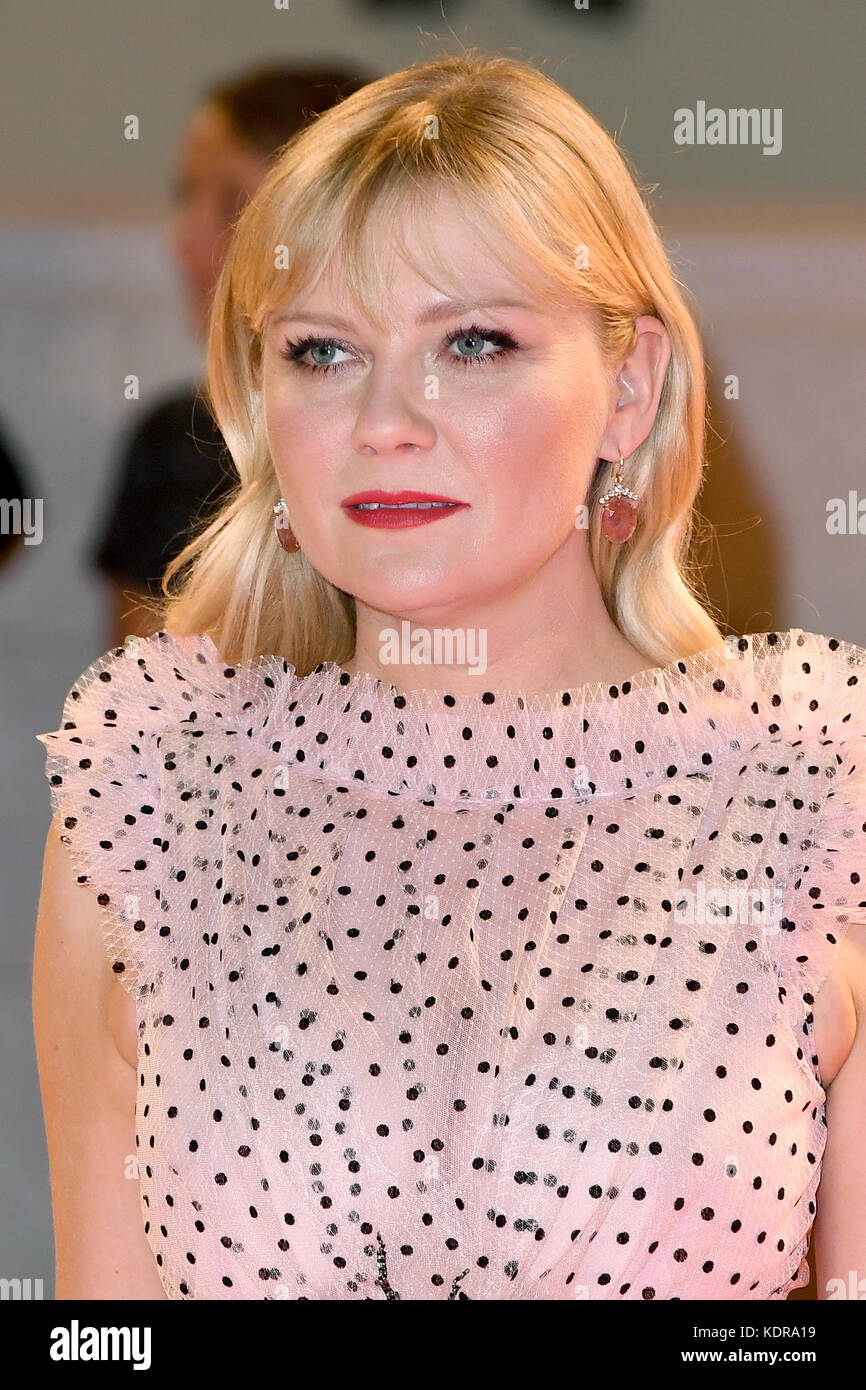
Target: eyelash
x=293, y=351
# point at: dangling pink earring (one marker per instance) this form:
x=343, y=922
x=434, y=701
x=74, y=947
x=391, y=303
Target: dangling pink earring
x=618, y=514
x=282, y=529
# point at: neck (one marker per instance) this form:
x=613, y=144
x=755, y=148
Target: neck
x=556, y=634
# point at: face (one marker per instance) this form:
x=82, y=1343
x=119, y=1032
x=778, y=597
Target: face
x=500, y=408
x=216, y=175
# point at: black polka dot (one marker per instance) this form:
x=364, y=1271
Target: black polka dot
x=484, y=995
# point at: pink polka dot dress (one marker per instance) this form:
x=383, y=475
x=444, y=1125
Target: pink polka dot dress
x=479, y=996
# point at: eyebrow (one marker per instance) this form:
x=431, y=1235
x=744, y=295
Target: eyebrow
x=442, y=309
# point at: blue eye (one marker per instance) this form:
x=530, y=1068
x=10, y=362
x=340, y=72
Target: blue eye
x=503, y=341
x=295, y=351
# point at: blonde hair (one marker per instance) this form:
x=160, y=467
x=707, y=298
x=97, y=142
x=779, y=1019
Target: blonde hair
x=524, y=157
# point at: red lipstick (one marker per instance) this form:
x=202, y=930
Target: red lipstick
x=393, y=510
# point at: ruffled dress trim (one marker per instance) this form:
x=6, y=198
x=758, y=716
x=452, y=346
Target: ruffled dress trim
x=129, y=716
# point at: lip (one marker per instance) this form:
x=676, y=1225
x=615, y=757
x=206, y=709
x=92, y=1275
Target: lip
x=395, y=517
x=396, y=498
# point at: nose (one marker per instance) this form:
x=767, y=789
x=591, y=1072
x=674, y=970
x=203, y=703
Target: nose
x=391, y=416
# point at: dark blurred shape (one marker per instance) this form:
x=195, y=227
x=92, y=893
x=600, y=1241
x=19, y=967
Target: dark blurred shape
x=175, y=467
x=13, y=487
x=270, y=103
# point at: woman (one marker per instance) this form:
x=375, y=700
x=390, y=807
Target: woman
x=532, y=986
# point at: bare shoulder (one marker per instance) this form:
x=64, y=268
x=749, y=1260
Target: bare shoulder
x=840, y=1007
x=840, y=1225
x=71, y=964
x=88, y=1094
x=852, y=958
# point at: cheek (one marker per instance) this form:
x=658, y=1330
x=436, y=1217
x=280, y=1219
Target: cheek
x=300, y=440
x=533, y=451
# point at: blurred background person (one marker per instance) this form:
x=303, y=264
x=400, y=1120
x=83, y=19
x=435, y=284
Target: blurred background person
x=173, y=467
x=14, y=488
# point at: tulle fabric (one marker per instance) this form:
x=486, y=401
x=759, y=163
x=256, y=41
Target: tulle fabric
x=436, y=988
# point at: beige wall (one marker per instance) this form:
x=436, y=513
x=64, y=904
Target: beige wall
x=71, y=72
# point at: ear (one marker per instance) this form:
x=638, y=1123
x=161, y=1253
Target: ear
x=636, y=390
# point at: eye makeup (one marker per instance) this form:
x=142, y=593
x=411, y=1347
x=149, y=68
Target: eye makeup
x=295, y=351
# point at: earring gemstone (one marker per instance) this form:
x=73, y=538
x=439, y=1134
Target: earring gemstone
x=282, y=528
x=618, y=514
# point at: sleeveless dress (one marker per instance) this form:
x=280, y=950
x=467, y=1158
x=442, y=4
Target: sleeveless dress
x=480, y=996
